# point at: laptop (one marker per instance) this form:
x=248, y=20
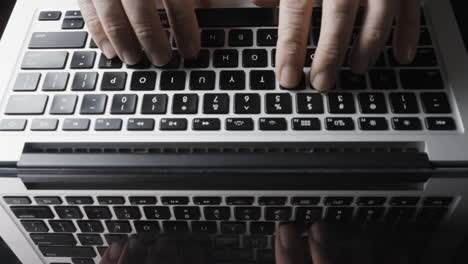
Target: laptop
x=93, y=151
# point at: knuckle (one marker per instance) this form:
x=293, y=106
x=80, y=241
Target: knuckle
x=144, y=31
x=115, y=28
x=297, y=5
x=330, y=53
x=93, y=23
x=181, y=19
x=374, y=35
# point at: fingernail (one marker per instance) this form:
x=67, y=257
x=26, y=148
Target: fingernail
x=289, y=237
x=322, y=81
x=160, y=59
x=290, y=76
x=108, y=50
x=131, y=57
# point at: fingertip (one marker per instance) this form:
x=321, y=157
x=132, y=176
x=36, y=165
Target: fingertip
x=323, y=81
x=290, y=76
x=108, y=50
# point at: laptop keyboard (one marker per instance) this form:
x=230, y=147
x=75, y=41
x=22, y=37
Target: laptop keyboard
x=83, y=227
x=65, y=84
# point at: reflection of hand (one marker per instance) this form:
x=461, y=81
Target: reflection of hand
x=337, y=25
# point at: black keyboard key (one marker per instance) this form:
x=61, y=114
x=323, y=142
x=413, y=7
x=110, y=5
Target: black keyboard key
x=216, y=104
x=176, y=226
x=404, y=103
x=175, y=200
x=26, y=104
x=431, y=217
x=339, y=214
x=202, y=60
x=239, y=124
x=204, y=227
x=310, y=103
x=435, y=103
x=372, y=103
x=352, y=81
x=116, y=238
x=373, y=123
x=383, y=79
x=272, y=200
x=13, y=124
x=217, y=213
x=213, y=38
x=60, y=226
x=56, y=81
x=32, y=212
x=16, y=200
x=256, y=241
x=207, y=200
x=437, y=201
x=247, y=213
x=143, y=81
x=306, y=124
x=232, y=80
x=67, y=251
x=113, y=81
x=111, y=200
x=154, y=104
x=406, y=123
x=185, y=104
x=124, y=104
x=278, y=103
x=187, y=212
x=40, y=60
x=73, y=23
x=254, y=58
x=48, y=200
x=85, y=81
x=339, y=124
x=102, y=250
x=35, y=226
x=58, y=40
x=425, y=57
x=175, y=61
x=404, y=201
x=278, y=213
x=247, y=104
x=341, y=103
x=206, y=124
x=303, y=200
x=226, y=241
x=173, y=124
x=68, y=212
x=262, y=80
x=118, y=227
x=127, y=212
x=424, y=37
x=83, y=60
x=233, y=228
x=44, y=124
x=143, y=200
x=421, y=79
x=440, y=123
x=172, y=80
x=108, y=124
x=79, y=200
x=93, y=104
x=240, y=200
x=273, y=124
x=399, y=215
x=140, y=124
x=240, y=38
x=338, y=201
x=309, y=214
x=76, y=124
x=157, y=212
x=105, y=63
x=50, y=15
x=202, y=80
x=97, y=212
x=147, y=227
x=27, y=82
x=73, y=13
x=53, y=239
x=90, y=240
x=369, y=215
x=262, y=228
x=267, y=37
x=371, y=201
x=225, y=58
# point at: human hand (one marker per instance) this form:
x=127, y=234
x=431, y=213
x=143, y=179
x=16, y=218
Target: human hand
x=337, y=26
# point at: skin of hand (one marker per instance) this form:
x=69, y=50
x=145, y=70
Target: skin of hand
x=338, y=17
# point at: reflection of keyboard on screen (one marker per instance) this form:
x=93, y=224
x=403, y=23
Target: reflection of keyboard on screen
x=66, y=84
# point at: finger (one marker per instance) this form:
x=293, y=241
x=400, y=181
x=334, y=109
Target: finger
x=118, y=30
x=318, y=240
x=406, y=35
x=149, y=30
x=294, y=21
x=204, y=3
x=112, y=254
x=95, y=28
x=338, y=18
x=266, y=3
x=185, y=26
x=375, y=31
x=123, y=259
x=288, y=245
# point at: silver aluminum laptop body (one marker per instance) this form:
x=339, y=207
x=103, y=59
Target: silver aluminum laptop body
x=289, y=163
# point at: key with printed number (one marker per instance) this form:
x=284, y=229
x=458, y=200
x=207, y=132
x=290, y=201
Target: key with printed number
x=206, y=124
x=154, y=104
x=185, y=104
x=247, y=103
x=124, y=104
x=341, y=103
x=372, y=103
x=404, y=103
x=140, y=124
x=310, y=103
x=108, y=124
x=278, y=103
x=216, y=103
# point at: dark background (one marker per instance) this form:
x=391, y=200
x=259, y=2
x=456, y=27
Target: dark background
x=5, y=8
